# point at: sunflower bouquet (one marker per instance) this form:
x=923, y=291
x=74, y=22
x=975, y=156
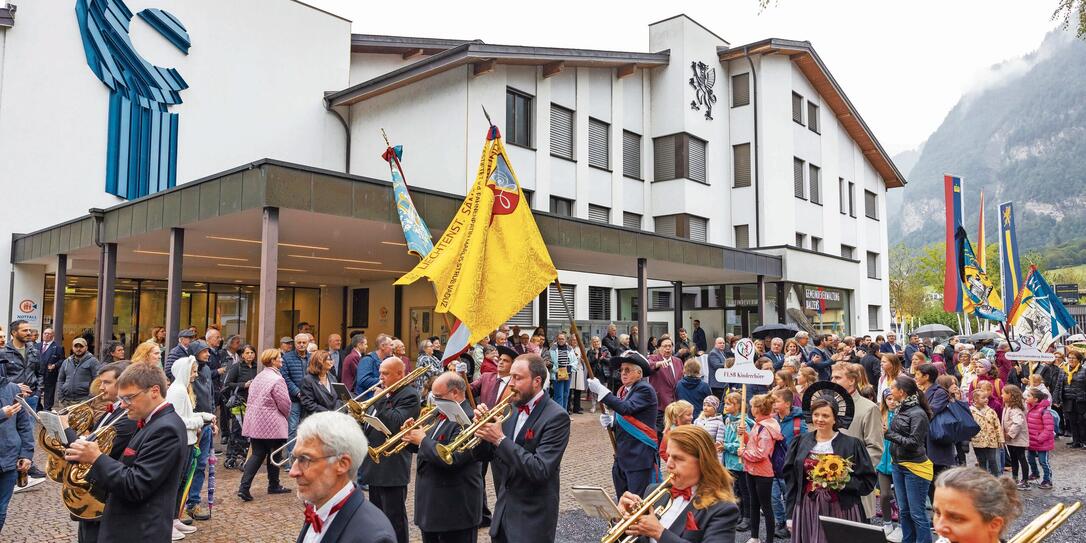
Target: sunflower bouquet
x=829, y=472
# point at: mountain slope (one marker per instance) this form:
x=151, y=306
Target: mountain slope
x=1020, y=138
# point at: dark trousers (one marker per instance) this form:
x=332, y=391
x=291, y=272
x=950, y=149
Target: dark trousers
x=742, y=492
x=262, y=449
x=630, y=480
x=1018, y=461
x=1074, y=419
x=392, y=500
x=467, y=535
x=988, y=458
x=50, y=389
x=486, y=508
x=660, y=423
x=88, y=531
x=936, y=469
x=761, y=502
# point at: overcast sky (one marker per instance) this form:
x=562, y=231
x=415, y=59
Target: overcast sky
x=903, y=64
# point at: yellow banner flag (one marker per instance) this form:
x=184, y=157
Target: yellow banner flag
x=491, y=261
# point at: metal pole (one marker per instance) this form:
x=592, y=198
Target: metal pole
x=677, y=306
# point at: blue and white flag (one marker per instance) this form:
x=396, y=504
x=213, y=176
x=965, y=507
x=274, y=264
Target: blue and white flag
x=419, y=241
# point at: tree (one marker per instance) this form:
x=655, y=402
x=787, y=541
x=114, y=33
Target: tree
x=1072, y=12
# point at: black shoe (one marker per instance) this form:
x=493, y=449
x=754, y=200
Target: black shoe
x=485, y=523
x=743, y=526
x=245, y=496
x=35, y=473
x=1073, y=445
x=279, y=490
x=782, y=533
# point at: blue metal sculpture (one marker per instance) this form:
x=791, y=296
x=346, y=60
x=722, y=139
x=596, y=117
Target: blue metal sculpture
x=142, y=150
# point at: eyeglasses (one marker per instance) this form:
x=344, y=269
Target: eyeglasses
x=127, y=400
x=304, y=461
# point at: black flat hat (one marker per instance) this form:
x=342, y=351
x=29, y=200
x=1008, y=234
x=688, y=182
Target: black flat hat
x=631, y=357
x=502, y=349
x=839, y=398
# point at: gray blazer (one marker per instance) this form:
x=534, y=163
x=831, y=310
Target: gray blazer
x=447, y=497
x=526, y=468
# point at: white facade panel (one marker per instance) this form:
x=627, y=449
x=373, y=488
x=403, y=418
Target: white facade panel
x=563, y=178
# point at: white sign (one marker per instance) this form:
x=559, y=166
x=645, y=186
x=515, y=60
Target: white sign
x=744, y=371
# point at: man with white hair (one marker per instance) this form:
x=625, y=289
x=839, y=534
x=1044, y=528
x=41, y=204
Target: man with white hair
x=775, y=354
x=325, y=463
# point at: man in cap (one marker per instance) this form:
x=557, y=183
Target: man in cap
x=286, y=344
x=202, y=389
x=636, y=444
x=76, y=374
x=181, y=350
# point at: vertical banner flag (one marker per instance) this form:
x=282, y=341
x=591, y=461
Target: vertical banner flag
x=978, y=288
x=415, y=231
x=491, y=261
x=982, y=247
x=1010, y=271
x=1038, y=316
x=952, y=285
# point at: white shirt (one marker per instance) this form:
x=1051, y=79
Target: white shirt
x=326, y=519
x=674, y=509
x=824, y=447
x=523, y=417
x=502, y=383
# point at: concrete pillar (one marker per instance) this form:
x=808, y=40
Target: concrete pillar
x=173, y=286
x=269, y=276
x=677, y=307
x=60, y=282
x=643, y=305
x=761, y=299
x=108, y=282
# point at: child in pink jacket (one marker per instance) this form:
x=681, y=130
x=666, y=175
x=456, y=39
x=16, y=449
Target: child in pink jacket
x=1042, y=435
x=756, y=447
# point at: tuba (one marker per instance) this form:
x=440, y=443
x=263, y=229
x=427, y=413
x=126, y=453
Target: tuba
x=467, y=439
x=76, y=491
x=617, y=533
x=395, y=444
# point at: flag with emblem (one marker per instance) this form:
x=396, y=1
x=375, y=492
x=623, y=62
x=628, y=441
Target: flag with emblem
x=415, y=231
x=1038, y=315
x=985, y=302
x=491, y=261
x=1010, y=271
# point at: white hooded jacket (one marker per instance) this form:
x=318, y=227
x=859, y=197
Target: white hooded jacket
x=178, y=396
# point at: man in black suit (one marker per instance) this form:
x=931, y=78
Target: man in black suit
x=52, y=355
x=123, y=427
x=325, y=465
x=142, y=485
x=528, y=462
x=388, y=480
x=633, y=421
x=448, y=498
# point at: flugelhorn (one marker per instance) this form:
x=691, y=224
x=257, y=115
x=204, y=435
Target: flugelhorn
x=396, y=443
x=352, y=404
x=617, y=533
x=467, y=439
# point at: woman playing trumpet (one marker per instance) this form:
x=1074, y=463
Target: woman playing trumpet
x=701, y=506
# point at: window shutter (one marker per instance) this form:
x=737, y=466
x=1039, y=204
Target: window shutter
x=741, y=162
x=599, y=213
x=599, y=303
x=631, y=220
x=873, y=317
x=525, y=317
x=816, y=184
x=871, y=207
x=842, y=196
x=696, y=154
x=631, y=154
x=851, y=199
x=561, y=132
x=848, y=251
x=801, y=240
x=812, y=117
x=699, y=228
x=555, y=309
x=659, y=300
x=740, y=90
x=742, y=236
x=599, y=144
x=816, y=244
x=872, y=265
x=797, y=177
x=797, y=108
x=663, y=158
x=665, y=226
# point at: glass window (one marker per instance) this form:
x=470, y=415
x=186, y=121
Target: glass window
x=194, y=306
x=152, y=306
x=518, y=118
x=307, y=308
x=826, y=310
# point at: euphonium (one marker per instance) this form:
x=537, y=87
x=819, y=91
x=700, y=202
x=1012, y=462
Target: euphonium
x=396, y=443
x=617, y=533
x=76, y=490
x=467, y=438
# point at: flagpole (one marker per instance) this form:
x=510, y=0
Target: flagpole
x=580, y=343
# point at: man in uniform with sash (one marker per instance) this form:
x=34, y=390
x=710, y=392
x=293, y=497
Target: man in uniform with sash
x=634, y=423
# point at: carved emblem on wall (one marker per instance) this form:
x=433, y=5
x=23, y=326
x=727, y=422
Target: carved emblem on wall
x=702, y=81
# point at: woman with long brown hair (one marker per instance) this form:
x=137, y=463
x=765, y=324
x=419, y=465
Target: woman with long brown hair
x=701, y=501
x=148, y=352
x=891, y=368
x=316, y=392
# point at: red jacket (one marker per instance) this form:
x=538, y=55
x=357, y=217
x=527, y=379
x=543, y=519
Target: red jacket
x=663, y=380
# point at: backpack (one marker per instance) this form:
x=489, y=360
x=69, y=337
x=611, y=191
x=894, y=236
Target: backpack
x=780, y=451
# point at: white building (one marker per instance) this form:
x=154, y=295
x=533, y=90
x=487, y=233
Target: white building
x=773, y=188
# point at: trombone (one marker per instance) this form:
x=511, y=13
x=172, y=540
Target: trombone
x=617, y=533
x=352, y=404
x=467, y=439
x=396, y=443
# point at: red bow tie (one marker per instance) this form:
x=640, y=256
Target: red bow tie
x=527, y=409
x=139, y=424
x=109, y=408
x=441, y=416
x=684, y=493
x=314, y=520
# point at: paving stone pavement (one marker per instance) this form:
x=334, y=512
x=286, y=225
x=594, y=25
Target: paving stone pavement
x=38, y=515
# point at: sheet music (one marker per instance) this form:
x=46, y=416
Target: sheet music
x=596, y=502
x=452, y=411
x=52, y=422
x=376, y=423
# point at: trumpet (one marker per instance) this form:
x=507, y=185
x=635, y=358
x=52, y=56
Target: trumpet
x=617, y=533
x=467, y=439
x=1045, y=524
x=351, y=404
x=396, y=443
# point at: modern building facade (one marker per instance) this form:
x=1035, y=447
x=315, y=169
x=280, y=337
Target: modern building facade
x=737, y=182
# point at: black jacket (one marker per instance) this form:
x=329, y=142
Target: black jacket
x=873, y=367
x=447, y=497
x=19, y=369
x=863, y=471
x=611, y=344
x=238, y=375
x=393, y=470
x=908, y=434
x=359, y=521
x=1076, y=390
x=142, y=485
x=315, y=398
x=715, y=523
x=526, y=469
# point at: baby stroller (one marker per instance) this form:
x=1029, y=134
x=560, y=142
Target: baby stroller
x=237, y=445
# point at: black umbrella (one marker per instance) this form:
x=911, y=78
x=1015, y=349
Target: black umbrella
x=984, y=336
x=934, y=330
x=783, y=331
